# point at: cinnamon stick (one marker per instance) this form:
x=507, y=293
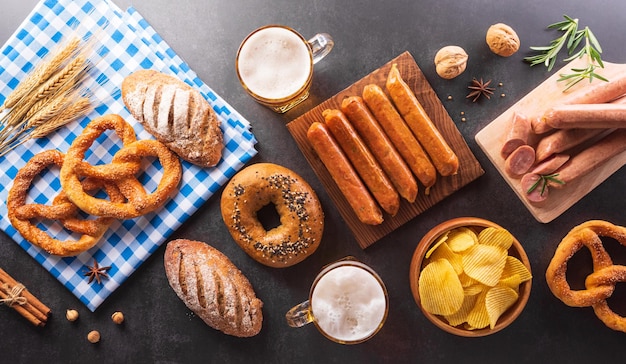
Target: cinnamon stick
x=30, y=307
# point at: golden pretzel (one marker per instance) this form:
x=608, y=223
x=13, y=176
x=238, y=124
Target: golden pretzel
x=121, y=171
x=600, y=284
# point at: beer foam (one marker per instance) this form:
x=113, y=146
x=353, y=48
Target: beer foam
x=348, y=303
x=274, y=63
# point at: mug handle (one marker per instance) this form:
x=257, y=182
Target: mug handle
x=299, y=315
x=321, y=44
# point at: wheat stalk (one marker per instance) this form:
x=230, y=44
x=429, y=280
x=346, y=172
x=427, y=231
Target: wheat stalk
x=68, y=114
x=61, y=81
x=47, y=99
x=42, y=72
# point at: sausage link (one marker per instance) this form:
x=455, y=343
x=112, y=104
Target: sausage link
x=562, y=140
x=520, y=161
x=344, y=175
x=517, y=135
x=443, y=157
x=363, y=161
x=400, y=134
x=380, y=145
x=597, y=93
x=586, y=116
x=591, y=157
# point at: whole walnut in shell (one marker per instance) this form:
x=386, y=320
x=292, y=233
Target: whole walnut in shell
x=502, y=40
x=450, y=61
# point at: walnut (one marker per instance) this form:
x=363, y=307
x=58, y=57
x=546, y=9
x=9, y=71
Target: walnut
x=502, y=40
x=450, y=61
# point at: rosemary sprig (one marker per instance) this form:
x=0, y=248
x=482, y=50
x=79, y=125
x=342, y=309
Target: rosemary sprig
x=571, y=39
x=543, y=181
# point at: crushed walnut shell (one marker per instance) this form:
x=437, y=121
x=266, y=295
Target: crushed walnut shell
x=480, y=88
x=96, y=272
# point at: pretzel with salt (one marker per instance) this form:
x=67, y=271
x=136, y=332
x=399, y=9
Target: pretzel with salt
x=600, y=284
x=23, y=215
x=125, y=164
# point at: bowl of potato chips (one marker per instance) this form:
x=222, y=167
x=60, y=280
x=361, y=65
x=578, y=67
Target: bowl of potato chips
x=470, y=277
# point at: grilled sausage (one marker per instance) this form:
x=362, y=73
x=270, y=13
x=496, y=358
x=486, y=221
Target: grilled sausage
x=363, y=160
x=380, y=145
x=445, y=160
x=344, y=175
x=400, y=134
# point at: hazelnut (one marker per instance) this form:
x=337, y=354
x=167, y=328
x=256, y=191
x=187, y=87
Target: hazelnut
x=502, y=40
x=93, y=336
x=117, y=317
x=450, y=61
x=71, y=315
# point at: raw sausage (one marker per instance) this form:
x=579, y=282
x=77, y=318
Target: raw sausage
x=517, y=135
x=586, y=116
x=590, y=158
x=550, y=165
x=363, y=161
x=400, y=134
x=539, y=194
x=344, y=175
x=520, y=161
x=597, y=93
x=562, y=140
x=445, y=160
x=380, y=145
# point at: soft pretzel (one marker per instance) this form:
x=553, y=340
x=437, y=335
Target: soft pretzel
x=599, y=285
x=125, y=164
x=22, y=214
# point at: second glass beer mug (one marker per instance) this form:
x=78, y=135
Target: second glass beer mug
x=348, y=303
x=275, y=65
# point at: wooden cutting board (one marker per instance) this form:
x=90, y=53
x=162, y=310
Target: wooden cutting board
x=469, y=169
x=547, y=94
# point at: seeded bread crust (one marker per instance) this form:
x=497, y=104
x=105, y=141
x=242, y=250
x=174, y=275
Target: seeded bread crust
x=176, y=114
x=213, y=288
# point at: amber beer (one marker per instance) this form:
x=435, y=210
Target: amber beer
x=275, y=65
x=348, y=303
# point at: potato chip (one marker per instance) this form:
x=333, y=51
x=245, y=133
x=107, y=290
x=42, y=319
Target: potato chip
x=440, y=240
x=496, y=237
x=512, y=281
x=461, y=239
x=443, y=252
x=460, y=316
x=515, y=266
x=485, y=263
x=440, y=290
x=478, y=318
x=474, y=289
x=466, y=280
x=497, y=300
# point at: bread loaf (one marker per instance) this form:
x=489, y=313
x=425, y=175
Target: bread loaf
x=213, y=288
x=176, y=114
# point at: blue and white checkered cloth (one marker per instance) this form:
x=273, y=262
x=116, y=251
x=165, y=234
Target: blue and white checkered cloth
x=129, y=43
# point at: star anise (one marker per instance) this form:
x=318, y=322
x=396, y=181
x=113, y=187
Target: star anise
x=96, y=272
x=480, y=88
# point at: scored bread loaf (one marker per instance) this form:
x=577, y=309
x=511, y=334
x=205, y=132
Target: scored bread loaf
x=176, y=114
x=213, y=287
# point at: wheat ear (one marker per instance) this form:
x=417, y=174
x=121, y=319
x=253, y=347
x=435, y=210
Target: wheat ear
x=42, y=73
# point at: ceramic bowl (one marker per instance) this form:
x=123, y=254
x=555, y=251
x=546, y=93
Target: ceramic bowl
x=477, y=224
